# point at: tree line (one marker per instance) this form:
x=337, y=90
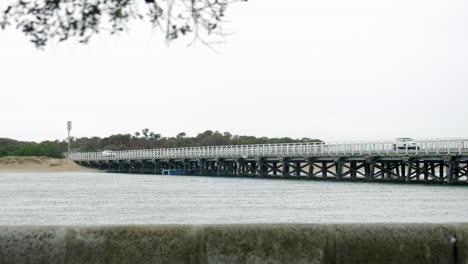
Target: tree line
x=11, y=147
x=144, y=139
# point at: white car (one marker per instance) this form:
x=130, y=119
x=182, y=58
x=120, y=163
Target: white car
x=405, y=143
x=108, y=153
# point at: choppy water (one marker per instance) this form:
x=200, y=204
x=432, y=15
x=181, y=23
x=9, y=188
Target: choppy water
x=107, y=198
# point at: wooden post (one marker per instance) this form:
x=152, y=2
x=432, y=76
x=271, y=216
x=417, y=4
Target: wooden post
x=253, y=168
x=433, y=170
x=402, y=170
x=386, y=170
x=451, y=166
x=367, y=170
x=260, y=167
x=410, y=168
x=237, y=165
x=372, y=170
x=285, y=170
x=441, y=171
x=417, y=169
x=353, y=169
x=311, y=168
x=426, y=171
x=201, y=163
x=324, y=169
x=456, y=171
x=298, y=168
x=339, y=169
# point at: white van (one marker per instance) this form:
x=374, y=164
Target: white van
x=405, y=143
x=108, y=153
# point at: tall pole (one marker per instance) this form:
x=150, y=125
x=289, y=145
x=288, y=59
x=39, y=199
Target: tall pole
x=69, y=127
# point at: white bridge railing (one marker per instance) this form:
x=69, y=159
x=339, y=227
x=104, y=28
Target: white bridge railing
x=426, y=146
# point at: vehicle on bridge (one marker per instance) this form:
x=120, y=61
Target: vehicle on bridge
x=405, y=143
x=108, y=153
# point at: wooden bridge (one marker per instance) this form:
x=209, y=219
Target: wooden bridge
x=431, y=161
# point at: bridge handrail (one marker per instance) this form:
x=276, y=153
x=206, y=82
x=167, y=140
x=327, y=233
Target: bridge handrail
x=375, y=147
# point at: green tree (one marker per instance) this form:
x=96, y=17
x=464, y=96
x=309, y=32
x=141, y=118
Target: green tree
x=47, y=149
x=145, y=132
x=3, y=153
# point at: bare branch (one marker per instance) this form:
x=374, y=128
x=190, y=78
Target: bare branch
x=47, y=20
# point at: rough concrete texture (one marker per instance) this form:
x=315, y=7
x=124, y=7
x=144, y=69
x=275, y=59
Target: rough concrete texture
x=268, y=244
x=32, y=245
x=132, y=244
x=262, y=243
x=461, y=251
x=404, y=244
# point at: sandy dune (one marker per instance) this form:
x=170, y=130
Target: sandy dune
x=39, y=164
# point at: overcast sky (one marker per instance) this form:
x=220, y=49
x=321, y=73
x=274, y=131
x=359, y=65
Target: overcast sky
x=334, y=70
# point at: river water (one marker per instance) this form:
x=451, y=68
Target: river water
x=86, y=198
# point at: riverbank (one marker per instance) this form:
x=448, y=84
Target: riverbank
x=263, y=243
x=39, y=164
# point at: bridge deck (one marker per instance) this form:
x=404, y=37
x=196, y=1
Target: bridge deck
x=438, y=160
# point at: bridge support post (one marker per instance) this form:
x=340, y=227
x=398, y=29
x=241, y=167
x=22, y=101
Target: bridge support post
x=386, y=170
x=450, y=170
x=417, y=169
x=260, y=167
x=433, y=172
x=371, y=173
x=339, y=169
x=201, y=166
x=297, y=169
x=231, y=168
x=185, y=166
x=218, y=166
x=161, y=166
x=253, y=168
x=403, y=170
x=426, y=171
x=311, y=168
x=369, y=168
x=456, y=172
x=353, y=169
x=441, y=171
x=285, y=170
x=275, y=169
x=324, y=169
x=130, y=166
x=410, y=168
x=238, y=165
x=154, y=167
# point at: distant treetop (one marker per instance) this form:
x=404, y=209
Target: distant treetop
x=145, y=139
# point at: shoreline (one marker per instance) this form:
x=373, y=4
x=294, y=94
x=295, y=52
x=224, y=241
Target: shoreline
x=40, y=164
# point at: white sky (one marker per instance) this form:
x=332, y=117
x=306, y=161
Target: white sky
x=334, y=70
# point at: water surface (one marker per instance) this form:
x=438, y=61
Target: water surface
x=108, y=198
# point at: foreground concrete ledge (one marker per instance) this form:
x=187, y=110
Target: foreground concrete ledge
x=256, y=243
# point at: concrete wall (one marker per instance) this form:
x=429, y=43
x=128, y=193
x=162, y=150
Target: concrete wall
x=265, y=243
